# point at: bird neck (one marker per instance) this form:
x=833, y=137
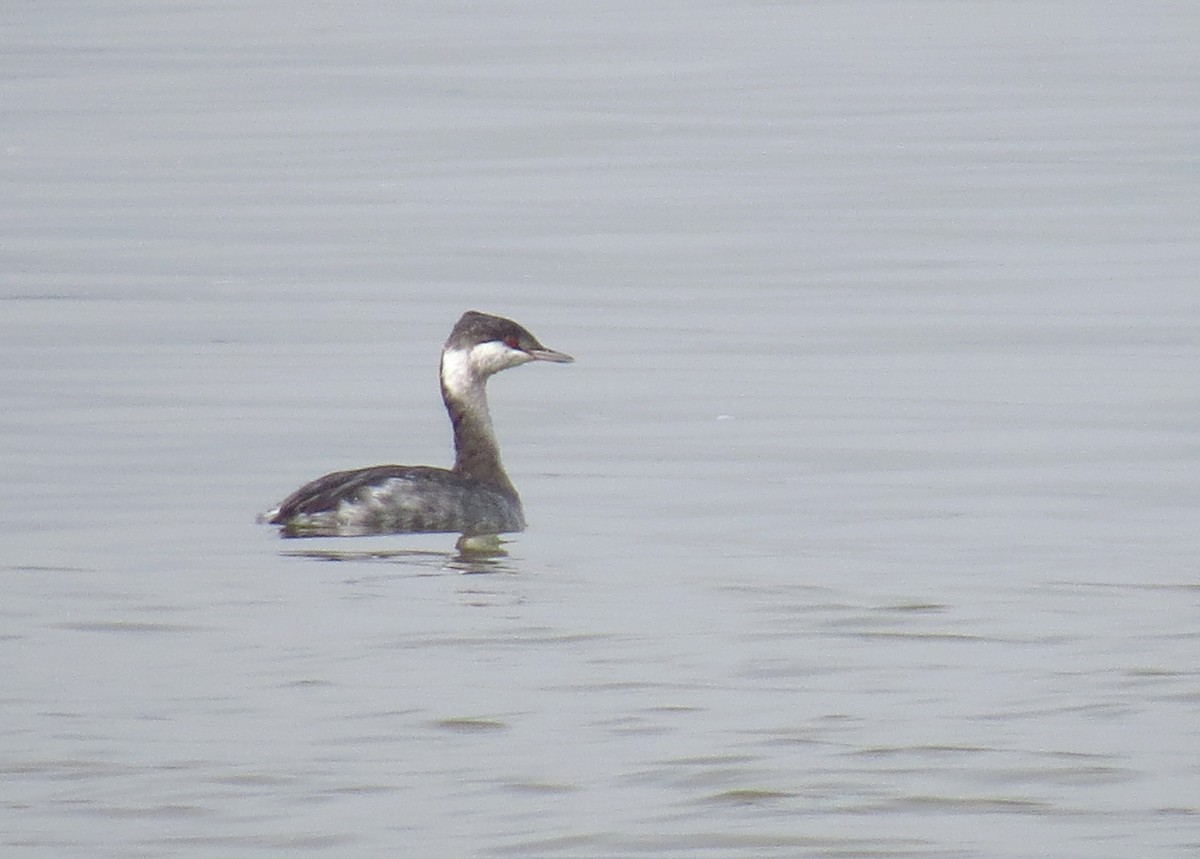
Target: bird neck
x=476, y=451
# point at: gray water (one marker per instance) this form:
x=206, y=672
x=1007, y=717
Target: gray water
x=865, y=524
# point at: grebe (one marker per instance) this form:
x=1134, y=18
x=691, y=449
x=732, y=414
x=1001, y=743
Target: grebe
x=473, y=498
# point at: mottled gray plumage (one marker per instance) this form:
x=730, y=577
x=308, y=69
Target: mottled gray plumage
x=474, y=497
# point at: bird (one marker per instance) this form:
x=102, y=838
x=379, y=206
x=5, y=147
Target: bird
x=474, y=497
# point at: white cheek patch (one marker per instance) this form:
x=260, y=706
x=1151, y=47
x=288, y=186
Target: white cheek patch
x=494, y=356
x=462, y=369
x=465, y=370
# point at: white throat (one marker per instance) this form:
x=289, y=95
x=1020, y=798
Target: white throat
x=459, y=379
x=464, y=380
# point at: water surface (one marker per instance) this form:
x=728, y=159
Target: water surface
x=864, y=525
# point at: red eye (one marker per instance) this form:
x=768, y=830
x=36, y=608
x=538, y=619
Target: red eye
x=511, y=342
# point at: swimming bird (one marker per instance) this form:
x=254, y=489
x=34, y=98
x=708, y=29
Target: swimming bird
x=474, y=497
